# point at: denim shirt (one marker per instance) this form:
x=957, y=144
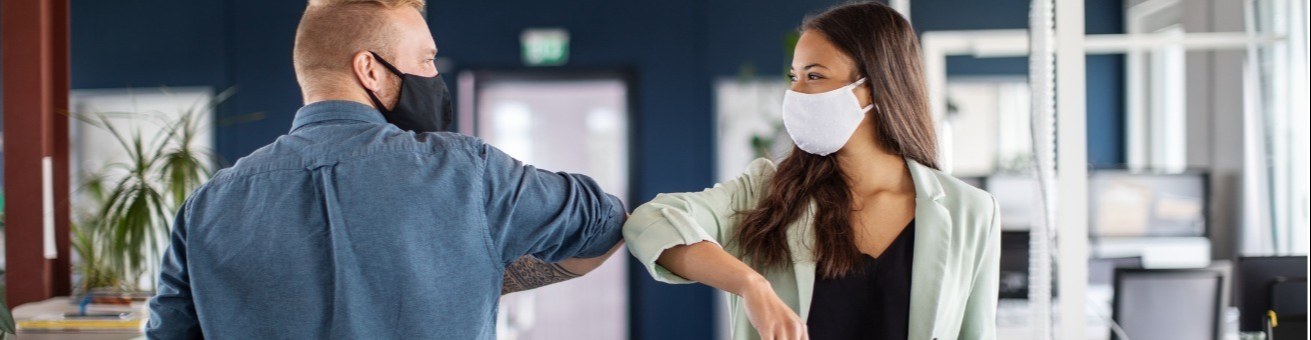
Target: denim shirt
x=348, y=227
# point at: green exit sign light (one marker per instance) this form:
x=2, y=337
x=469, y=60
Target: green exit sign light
x=545, y=46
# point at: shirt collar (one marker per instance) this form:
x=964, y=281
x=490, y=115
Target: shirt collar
x=336, y=110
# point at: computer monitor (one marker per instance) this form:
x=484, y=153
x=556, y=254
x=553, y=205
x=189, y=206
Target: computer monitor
x=1018, y=199
x=1182, y=304
x=1013, y=281
x=1252, y=288
x=1128, y=204
x=1287, y=309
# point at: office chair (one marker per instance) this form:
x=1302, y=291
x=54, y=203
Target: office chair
x=1183, y=304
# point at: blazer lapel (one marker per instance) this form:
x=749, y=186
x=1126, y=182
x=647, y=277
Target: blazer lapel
x=932, y=239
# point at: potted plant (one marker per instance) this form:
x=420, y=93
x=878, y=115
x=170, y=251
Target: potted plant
x=119, y=233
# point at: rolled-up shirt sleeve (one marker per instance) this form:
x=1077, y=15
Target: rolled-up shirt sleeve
x=550, y=215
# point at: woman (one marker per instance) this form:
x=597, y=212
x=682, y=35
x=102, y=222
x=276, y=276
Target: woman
x=856, y=234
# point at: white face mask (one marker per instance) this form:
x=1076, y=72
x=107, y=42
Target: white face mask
x=821, y=123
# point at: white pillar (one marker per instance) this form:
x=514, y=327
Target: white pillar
x=1072, y=169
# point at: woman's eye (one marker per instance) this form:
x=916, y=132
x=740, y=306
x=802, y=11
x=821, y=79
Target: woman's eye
x=814, y=76
x=792, y=78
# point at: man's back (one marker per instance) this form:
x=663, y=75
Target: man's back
x=348, y=227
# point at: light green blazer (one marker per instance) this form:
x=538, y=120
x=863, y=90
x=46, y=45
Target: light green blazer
x=953, y=277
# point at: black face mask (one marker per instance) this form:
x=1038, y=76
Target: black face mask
x=424, y=104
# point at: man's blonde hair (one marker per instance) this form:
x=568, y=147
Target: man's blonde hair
x=331, y=31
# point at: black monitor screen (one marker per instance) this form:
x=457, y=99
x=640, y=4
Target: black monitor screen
x=1014, y=278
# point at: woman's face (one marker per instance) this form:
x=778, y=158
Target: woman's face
x=819, y=66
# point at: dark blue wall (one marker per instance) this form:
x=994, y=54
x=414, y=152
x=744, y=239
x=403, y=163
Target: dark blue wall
x=221, y=44
x=675, y=49
x=1106, y=84
x=147, y=44
x=261, y=34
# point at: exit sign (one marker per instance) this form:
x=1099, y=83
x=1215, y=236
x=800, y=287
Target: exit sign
x=545, y=46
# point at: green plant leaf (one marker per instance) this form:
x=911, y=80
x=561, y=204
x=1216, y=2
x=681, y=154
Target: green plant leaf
x=6, y=319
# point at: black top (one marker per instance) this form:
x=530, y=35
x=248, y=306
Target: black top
x=869, y=304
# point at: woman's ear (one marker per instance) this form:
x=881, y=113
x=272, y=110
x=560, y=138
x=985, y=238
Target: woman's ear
x=865, y=94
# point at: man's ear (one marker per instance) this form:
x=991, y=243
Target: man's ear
x=364, y=66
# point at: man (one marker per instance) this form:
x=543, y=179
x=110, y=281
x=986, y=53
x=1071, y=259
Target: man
x=350, y=227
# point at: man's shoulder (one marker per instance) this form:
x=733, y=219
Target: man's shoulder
x=295, y=151
x=444, y=141
x=298, y=153
x=388, y=138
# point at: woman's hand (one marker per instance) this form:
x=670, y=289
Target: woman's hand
x=708, y=263
x=773, y=319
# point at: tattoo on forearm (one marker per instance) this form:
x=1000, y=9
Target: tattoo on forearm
x=529, y=272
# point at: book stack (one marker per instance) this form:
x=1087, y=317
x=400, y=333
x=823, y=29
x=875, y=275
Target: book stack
x=83, y=314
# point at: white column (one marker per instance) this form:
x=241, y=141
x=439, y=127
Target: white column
x=1072, y=169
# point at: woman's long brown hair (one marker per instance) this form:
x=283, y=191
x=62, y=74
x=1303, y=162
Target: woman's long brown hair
x=886, y=51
